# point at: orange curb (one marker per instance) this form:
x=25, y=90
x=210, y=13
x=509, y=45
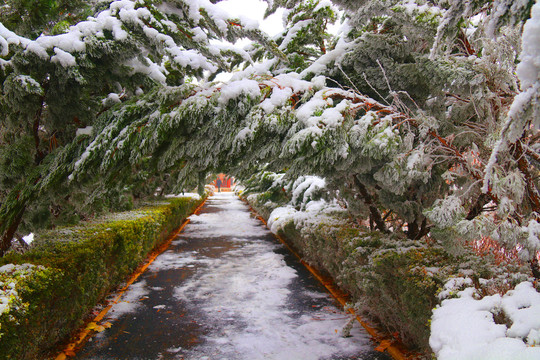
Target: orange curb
x=392, y=346
x=85, y=334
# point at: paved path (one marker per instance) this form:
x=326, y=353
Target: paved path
x=226, y=289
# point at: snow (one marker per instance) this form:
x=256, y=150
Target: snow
x=29, y=84
x=85, y=131
x=28, y=238
x=453, y=285
x=280, y=217
x=291, y=33
x=218, y=46
x=411, y=7
x=200, y=35
x=192, y=58
x=111, y=99
x=446, y=212
x=260, y=304
x=219, y=15
x=312, y=212
x=323, y=4
x=294, y=81
x=235, y=88
x=306, y=187
x=331, y=57
x=170, y=260
x=305, y=112
x=243, y=134
x=7, y=268
x=244, y=294
x=115, y=19
x=195, y=196
x=533, y=235
x=464, y=327
x=8, y=37
x=10, y=275
x=251, y=14
x=130, y=300
x=319, y=103
x=278, y=98
x=528, y=70
x=220, y=221
x=94, y=145
x=150, y=68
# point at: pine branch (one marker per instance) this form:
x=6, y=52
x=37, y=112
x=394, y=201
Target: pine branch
x=367, y=104
x=478, y=206
x=530, y=152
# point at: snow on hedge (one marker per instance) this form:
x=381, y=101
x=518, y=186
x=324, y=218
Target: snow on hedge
x=10, y=276
x=493, y=327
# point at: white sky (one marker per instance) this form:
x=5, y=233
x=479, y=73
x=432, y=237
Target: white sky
x=255, y=9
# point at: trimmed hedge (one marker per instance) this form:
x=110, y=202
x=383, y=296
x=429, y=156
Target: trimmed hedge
x=76, y=268
x=377, y=276
x=392, y=280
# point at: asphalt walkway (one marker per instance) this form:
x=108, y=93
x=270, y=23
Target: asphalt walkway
x=226, y=289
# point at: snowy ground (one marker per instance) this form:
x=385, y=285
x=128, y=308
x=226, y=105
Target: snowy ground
x=227, y=290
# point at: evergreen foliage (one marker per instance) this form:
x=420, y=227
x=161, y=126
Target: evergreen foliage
x=55, y=87
x=413, y=113
x=419, y=119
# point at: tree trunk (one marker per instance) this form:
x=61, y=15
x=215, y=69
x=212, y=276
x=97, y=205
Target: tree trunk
x=476, y=209
x=5, y=242
x=375, y=214
x=415, y=231
x=40, y=155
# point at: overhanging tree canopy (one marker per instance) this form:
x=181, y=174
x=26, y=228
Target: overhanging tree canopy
x=409, y=112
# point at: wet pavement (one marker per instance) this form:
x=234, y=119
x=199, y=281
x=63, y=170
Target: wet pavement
x=226, y=289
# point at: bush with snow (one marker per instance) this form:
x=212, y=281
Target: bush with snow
x=490, y=327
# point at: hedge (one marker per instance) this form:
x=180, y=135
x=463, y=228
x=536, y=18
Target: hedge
x=394, y=282
x=46, y=293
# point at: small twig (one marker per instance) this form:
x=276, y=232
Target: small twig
x=385, y=77
x=348, y=78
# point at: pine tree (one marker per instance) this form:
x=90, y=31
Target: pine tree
x=56, y=85
x=409, y=113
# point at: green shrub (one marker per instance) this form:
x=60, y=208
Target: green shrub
x=401, y=294
x=72, y=269
x=384, y=274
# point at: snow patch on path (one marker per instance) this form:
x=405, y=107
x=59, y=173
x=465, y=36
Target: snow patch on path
x=235, y=221
x=245, y=295
x=173, y=260
x=246, y=292
x=130, y=301
x=246, y=299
